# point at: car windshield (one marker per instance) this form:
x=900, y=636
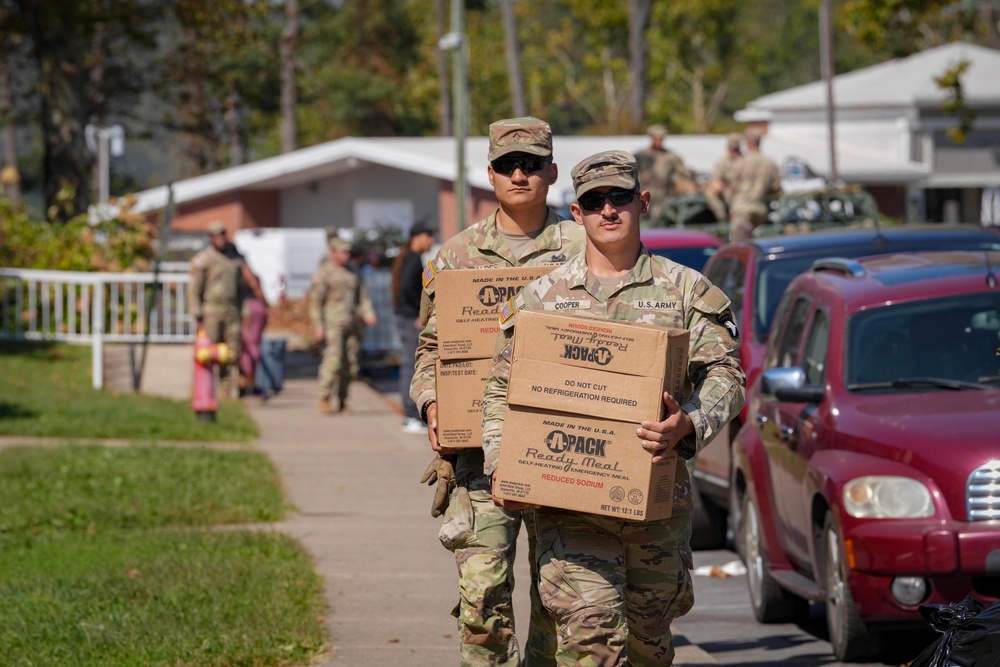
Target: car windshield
x=694, y=258
x=774, y=275
x=945, y=343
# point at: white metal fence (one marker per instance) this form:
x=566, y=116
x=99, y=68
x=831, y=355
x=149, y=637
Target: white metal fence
x=94, y=308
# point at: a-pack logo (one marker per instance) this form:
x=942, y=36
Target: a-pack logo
x=491, y=295
x=595, y=355
x=560, y=441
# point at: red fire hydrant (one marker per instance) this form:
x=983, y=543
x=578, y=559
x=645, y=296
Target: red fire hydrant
x=207, y=354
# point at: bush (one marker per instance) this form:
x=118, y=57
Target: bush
x=124, y=242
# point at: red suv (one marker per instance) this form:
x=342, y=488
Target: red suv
x=754, y=275
x=868, y=472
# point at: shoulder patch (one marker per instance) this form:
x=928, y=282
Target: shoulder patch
x=508, y=310
x=428, y=275
x=727, y=321
x=715, y=299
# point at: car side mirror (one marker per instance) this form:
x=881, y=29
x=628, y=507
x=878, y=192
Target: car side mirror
x=788, y=384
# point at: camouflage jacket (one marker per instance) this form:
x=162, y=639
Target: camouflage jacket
x=724, y=171
x=481, y=246
x=756, y=179
x=656, y=291
x=337, y=297
x=664, y=174
x=215, y=281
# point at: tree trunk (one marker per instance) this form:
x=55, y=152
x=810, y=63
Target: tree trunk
x=638, y=22
x=97, y=97
x=289, y=47
x=11, y=180
x=61, y=89
x=513, y=58
x=235, y=133
x=444, y=98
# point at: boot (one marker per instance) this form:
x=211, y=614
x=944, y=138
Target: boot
x=324, y=406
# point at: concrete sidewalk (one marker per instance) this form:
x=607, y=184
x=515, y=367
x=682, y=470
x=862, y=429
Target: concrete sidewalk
x=361, y=513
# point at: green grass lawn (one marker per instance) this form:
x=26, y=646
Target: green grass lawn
x=151, y=598
x=114, y=557
x=45, y=390
x=96, y=488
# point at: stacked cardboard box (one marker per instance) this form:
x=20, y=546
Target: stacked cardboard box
x=468, y=303
x=579, y=388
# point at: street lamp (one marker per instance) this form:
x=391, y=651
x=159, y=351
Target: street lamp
x=106, y=142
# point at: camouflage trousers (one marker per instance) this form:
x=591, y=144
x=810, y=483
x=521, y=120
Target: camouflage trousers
x=614, y=586
x=224, y=326
x=340, y=362
x=742, y=223
x=483, y=538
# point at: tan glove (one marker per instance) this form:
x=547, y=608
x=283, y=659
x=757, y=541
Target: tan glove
x=442, y=473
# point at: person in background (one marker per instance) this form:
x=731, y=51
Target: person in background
x=337, y=298
x=663, y=172
x=724, y=177
x=254, y=320
x=217, y=273
x=407, y=289
x=615, y=585
x=756, y=181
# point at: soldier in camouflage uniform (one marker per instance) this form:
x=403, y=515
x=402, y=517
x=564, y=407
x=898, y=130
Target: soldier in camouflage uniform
x=756, y=180
x=615, y=585
x=214, y=296
x=522, y=231
x=720, y=188
x=337, y=298
x=662, y=172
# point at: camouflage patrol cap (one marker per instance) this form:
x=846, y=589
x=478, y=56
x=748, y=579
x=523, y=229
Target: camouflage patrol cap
x=733, y=140
x=520, y=135
x=657, y=131
x=337, y=243
x=614, y=168
x=216, y=227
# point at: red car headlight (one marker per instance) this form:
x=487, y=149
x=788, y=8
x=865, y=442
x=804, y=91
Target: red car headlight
x=887, y=497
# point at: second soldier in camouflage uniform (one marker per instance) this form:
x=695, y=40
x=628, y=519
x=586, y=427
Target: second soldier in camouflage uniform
x=337, y=298
x=522, y=231
x=662, y=172
x=756, y=180
x=615, y=585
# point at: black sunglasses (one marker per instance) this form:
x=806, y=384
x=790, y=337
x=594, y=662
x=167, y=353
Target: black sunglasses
x=594, y=201
x=526, y=163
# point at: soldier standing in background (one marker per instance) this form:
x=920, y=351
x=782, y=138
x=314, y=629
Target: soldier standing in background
x=615, y=585
x=720, y=189
x=662, y=172
x=336, y=298
x=757, y=180
x=214, y=295
x=522, y=231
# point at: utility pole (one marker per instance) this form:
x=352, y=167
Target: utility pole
x=456, y=42
x=826, y=64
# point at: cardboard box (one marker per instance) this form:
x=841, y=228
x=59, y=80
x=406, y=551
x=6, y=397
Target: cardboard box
x=579, y=387
x=460, y=387
x=582, y=464
x=468, y=303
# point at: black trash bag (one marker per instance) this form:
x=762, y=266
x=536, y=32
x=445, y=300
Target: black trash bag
x=971, y=635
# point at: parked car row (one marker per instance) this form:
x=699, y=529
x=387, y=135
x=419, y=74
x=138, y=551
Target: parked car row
x=864, y=471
